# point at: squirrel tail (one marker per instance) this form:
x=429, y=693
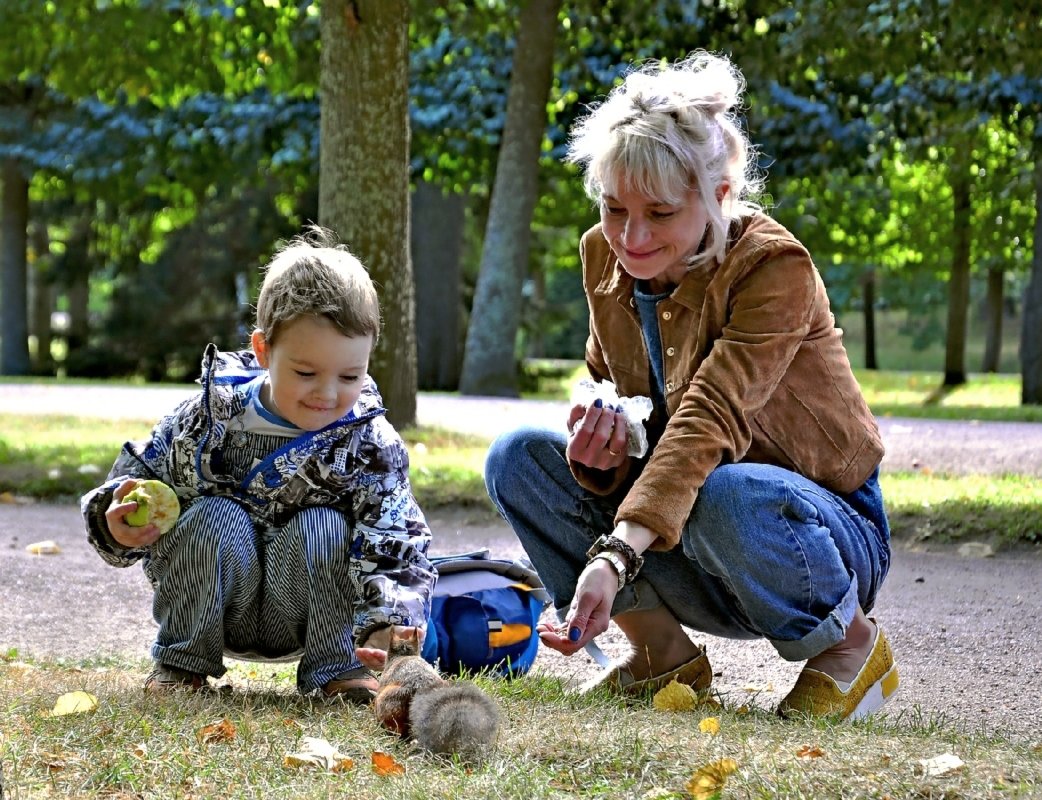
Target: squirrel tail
x=455, y=718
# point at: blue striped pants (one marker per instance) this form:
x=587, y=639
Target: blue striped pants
x=222, y=587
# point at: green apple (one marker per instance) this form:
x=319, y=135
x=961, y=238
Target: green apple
x=156, y=504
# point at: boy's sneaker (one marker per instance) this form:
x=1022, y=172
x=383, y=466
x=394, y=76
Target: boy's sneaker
x=164, y=679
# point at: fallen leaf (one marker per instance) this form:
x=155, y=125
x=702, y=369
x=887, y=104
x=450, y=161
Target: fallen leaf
x=74, y=703
x=140, y=750
x=221, y=731
x=675, y=696
x=7, y=497
x=384, y=764
x=755, y=688
x=319, y=753
x=48, y=547
x=939, y=765
x=710, y=725
x=810, y=751
x=710, y=779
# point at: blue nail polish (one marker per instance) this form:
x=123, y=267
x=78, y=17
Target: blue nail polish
x=598, y=403
x=574, y=633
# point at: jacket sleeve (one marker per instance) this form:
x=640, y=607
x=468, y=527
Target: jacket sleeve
x=141, y=460
x=767, y=320
x=396, y=578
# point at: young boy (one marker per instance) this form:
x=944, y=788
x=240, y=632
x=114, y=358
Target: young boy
x=299, y=535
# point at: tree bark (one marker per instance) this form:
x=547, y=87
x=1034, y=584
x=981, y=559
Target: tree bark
x=364, y=172
x=490, y=359
x=41, y=302
x=869, y=301
x=959, y=283
x=437, y=253
x=14, y=271
x=993, y=310
x=1031, y=329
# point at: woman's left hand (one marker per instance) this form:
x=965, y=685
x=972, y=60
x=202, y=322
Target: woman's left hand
x=590, y=611
x=597, y=436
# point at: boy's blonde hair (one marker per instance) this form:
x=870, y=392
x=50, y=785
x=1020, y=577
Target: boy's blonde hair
x=668, y=129
x=314, y=275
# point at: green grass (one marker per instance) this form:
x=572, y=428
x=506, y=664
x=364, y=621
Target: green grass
x=553, y=744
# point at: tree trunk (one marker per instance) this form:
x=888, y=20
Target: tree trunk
x=14, y=272
x=41, y=302
x=959, y=283
x=364, y=172
x=869, y=300
x=489, y=361
x=76, y=275
x=993, y=310
x=437, y=255
x=1031, y=330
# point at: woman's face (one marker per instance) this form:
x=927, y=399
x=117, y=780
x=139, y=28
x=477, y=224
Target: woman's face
x=653, y=239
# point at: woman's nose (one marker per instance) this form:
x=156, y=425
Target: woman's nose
x=634, y=233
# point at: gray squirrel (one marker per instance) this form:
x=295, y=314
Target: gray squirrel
x=447, y=717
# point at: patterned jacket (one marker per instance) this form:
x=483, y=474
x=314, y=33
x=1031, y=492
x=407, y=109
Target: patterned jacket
x=357, y=465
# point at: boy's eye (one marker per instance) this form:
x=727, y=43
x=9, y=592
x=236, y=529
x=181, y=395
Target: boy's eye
x=303, y=374
x=349, y=378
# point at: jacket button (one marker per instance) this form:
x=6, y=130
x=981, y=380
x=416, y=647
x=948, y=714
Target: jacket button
x=633, y=303
x=667, y=315
x=669, y=386
x=670, y=351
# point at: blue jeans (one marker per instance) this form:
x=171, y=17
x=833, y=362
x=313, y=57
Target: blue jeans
x=766, y=553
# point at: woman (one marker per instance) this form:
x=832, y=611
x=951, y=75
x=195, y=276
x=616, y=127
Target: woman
x=756, y=511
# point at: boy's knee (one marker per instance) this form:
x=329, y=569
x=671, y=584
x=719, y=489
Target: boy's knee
x=213, y=516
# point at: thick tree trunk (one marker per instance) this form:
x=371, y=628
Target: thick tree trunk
x=959, y=283
x=76, y=275
x=364, y=172
x=437, y=253
x=490, y=360
x=869, y=300
x=14, y=272
x=1031, y=330
x=993, y=310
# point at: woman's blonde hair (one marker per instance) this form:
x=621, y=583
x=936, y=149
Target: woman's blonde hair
x=314, y=275
x=668, y=129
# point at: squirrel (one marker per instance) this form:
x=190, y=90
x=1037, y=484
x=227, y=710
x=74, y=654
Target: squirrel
x=443, y=716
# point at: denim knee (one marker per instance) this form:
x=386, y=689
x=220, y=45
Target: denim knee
x=509, y=462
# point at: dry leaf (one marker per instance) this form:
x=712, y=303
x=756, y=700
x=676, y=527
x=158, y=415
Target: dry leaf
x=810, y=751
x=7, y=497
x=710, y=725
x=939, y=765
x=48, y=547
x=710, y=779
x=319, y=753
x=675, y=696
x=384, y=764
x=140, y=750
x=74, y=703
x=221, y=731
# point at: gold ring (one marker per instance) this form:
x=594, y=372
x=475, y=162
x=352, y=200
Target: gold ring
x=613, y=452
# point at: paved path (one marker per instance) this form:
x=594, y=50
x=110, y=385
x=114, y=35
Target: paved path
x=967, y=630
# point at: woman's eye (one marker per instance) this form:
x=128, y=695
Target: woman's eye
x=661, y=215
x=613, y=210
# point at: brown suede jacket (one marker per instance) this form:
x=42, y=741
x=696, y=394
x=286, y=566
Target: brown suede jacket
x=755, y=370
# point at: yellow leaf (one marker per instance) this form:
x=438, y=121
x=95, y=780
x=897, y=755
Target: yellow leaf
x=221, y=731
x=675, y=697
x=810, y=751
x=319, y=753
x=710, y=725
x=384, y=764
x=140, y=750
x=7, y=497
x=710, y=779
x=48, y=547
x=74, y=703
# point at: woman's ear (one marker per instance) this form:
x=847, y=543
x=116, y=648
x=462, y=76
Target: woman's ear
x=722, y=190
x=260, y=347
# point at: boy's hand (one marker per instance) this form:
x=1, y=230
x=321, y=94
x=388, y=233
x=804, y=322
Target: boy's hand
x=373, y=652
x=126, y=535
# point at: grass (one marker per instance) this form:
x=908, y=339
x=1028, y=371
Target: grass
x=553, y=744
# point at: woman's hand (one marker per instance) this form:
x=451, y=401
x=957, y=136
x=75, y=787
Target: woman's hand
x=590, y=611
x=128, y=536
x=597, y=436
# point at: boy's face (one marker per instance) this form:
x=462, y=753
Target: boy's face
x=315, y=373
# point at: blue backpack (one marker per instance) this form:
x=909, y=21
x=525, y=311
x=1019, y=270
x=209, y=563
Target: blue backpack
x=483, y=615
